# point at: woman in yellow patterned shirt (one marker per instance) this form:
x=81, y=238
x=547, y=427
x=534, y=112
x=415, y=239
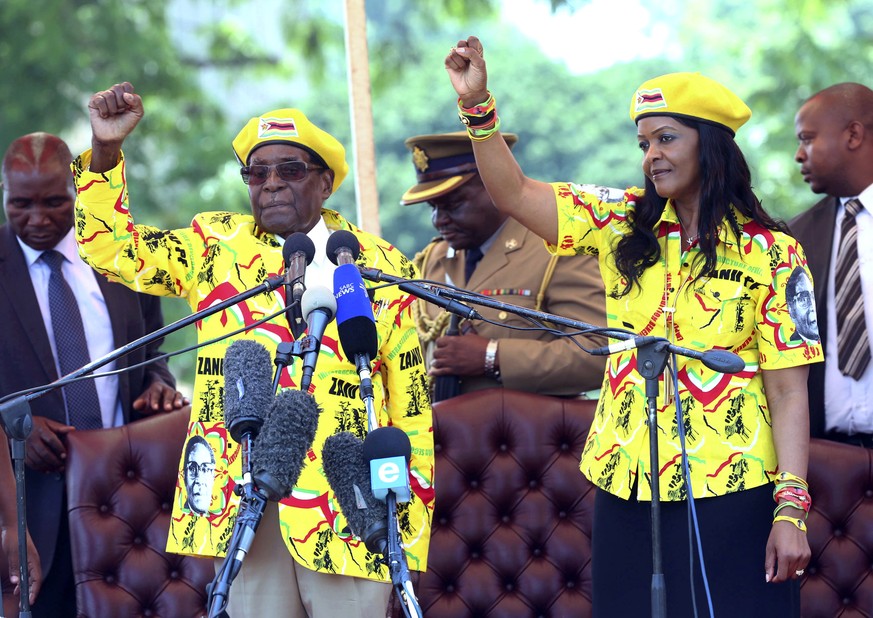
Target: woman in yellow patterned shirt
x=691, y=257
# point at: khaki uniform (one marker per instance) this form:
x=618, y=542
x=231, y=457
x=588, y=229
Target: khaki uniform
x=518, y=270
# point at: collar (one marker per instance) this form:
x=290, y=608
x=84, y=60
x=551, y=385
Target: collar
x=485, y=246
x=318, y=235
x=866, y=197
x=669, y=216
x=66, y=246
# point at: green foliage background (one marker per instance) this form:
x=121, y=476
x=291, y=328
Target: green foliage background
x=205, y=66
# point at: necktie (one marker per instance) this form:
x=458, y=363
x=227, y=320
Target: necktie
x=853, y=344
x=83, y=406
x=471, y=258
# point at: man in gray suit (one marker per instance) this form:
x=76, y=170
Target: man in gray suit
x=835, y=131
x=38, y=199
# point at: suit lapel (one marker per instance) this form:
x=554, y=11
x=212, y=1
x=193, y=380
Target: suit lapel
x=510, y=239
x=453, y=267
x=16, y=283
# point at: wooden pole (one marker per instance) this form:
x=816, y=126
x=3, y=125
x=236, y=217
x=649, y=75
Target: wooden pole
x=361, y=112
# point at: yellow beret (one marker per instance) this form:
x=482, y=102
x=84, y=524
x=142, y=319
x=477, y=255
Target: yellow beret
x=690, y=95
x=293, y=127
x=443, y=162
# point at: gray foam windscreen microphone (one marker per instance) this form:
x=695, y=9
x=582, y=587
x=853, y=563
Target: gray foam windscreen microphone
x=279, y=451
x=248, y=387
x=349, y=477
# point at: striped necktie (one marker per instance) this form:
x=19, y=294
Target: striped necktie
x=853, y=344
x=83, y=405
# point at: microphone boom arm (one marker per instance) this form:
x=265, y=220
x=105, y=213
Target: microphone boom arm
x=451, y=300
x=268, y=285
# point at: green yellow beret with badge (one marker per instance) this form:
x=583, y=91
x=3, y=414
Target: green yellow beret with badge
x=291, y=126
x=690, y=95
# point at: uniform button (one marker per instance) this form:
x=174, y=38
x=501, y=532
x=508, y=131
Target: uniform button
x=501, y=315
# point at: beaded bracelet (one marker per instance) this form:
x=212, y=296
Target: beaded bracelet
x=798, y=523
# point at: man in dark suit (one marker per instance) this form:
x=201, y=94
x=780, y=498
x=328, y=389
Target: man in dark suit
x=835, y=131
x=38, y=198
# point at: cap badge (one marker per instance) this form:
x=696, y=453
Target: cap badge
x=420, y=159
x=648, y=100
x=276, y=127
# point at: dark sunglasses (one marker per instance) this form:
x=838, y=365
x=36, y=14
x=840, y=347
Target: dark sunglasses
x=293, y=171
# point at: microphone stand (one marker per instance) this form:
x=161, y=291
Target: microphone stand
x=18, y=422
x=286, y=350
x=252, y=505
x=252, y=500
x=397, y=566
x=651, y=362
x=394, y=556
x=362, y=364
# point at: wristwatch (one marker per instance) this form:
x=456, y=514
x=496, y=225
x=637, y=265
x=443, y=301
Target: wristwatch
x=491, y=360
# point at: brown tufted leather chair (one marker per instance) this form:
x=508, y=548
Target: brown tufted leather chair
x=839, y=578
x=512, y=522
x=120, y=485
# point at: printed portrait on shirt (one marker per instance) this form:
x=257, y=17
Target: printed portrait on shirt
x=199, y=474
x=801, y=306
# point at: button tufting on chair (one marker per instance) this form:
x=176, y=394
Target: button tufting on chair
x=512, y=521
x=120, y=484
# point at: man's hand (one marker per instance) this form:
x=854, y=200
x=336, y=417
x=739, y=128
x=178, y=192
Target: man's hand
x=114, y=114
x=466, y=67
x=45, y=449
x=459, y=355
x=159, y=397
x=9, y=537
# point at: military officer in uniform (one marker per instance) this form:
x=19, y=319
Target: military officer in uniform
x=484, y=251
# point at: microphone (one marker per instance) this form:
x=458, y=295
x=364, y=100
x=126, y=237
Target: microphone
x=248, y=388
x=723, y=361
x=349, y=477
x=354, y=314
x=627, y=344
x=297, y=253
x=387, y=450
x=343, y=247
x=279, y=452
x=319, y=307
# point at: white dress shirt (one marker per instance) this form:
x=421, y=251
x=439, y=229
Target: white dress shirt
x=849, y=403
x=95, y=317
x=320, y=271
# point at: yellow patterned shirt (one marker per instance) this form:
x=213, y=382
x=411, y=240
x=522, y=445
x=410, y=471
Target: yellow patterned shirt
x=742, y=307
x=218, y=256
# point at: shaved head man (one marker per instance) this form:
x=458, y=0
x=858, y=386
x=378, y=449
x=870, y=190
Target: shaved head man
x=835, y=152
x=45, y=284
